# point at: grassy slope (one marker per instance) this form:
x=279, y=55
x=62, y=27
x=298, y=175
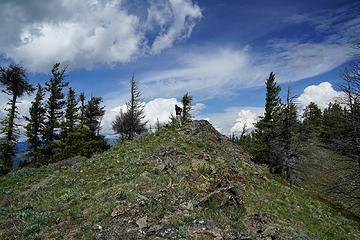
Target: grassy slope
x=320, y=169
x=168, y=177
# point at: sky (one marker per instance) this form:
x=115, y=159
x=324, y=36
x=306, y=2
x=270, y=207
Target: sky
x=221, y=52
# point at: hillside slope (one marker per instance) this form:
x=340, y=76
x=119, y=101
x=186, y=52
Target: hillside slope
x=188, y=183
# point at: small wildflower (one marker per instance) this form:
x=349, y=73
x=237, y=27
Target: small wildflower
x=94, y=181
x=119, y=188
x=32, y=199
x=103, y=181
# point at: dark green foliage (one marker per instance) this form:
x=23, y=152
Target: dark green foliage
x=332, y=124
x=311, y=119
x=83, y=142
x=275, y=137
x=186, y=101
x=131, y=123
x=82, y=109
x=244, y=139
x=71, y=116
x=284, y=143
x=84, y=138
x=173, y=121
x=264, y=131
x=272, y=99
x=35, y=124
x=14, y=80
x=93, y=114
x=54, y=114
x=69, y=125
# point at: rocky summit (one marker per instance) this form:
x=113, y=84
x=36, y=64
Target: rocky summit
x=177, y=183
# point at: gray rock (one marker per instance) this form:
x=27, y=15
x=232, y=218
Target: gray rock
x=167, y=231
x=304, y=236
x=97, y=227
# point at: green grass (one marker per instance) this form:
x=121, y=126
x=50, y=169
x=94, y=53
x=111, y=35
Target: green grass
x=66, y=203
x=319, y=170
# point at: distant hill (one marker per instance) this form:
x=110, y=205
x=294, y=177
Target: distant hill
x=187, y=183
x=21, y=147
x=20, y=150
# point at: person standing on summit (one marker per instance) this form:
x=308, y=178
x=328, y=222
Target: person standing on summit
x=178, y=111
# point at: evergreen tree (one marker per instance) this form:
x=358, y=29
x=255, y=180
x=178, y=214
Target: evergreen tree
x=130, y=123
x=311, y=119
x=54, y=107
x=89, y=135
x=14, y=79
x=283, y=145
x=69, y=125
x=93, y=114
x=82, y=109
x=333, y=125
x=85, y=139
x=71, y=116
x=186, y=101
x=35, y=124
x=264, y=131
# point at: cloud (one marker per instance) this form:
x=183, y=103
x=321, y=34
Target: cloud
x=212, y=70
x=340, y=23
x=245, y=118
x=156, y=109
x=232, y=119
x=208, y=72
x=320, y=94
x=196, y=109
x=84, y=33
x=299, y=60
x=176, y=19
x=159, y=108
x=23, y=105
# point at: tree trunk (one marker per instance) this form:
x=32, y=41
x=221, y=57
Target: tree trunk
x=11, y=119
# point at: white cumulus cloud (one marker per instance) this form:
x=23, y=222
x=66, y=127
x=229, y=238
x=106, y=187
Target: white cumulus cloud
x=320, y=94
x=231, y=119
x=88, y=32
x=245, y=118
x=156, y=109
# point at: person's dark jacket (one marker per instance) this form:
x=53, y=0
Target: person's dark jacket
x=178, y=110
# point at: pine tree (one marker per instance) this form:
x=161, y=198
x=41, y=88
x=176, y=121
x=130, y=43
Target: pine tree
x=82, y=109
x=90, y=140
x=93, y=114
x=283, y=144
x=186, y=101
x=69, y=125
x=264, y=131
x=334, y=128
x=54, y=107
x=130, y=123
x=85, y=139
x=71, y=116
x=311, y=120
x=14, y=79
x=35, y=124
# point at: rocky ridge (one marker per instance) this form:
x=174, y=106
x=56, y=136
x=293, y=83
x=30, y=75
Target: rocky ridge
x=185, y=183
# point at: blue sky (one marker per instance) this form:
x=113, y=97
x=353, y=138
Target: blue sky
x=221, y=52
